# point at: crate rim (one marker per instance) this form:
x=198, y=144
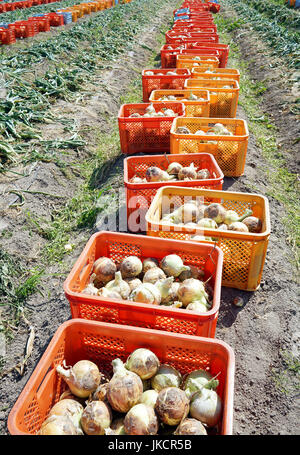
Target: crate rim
x=186, y=72
x=213, y=232
x=147, y=119
x=125, y=303
x=180, y=91
x=44, y=360
x=176, y=156
x=232, y=81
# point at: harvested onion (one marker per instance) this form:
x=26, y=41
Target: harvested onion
x=191, y=290
x=172, y=265
x=166, y=376
x=206, y=406
x=96, y=418
x=198, y=379
x=172, y=405
x=141, y=420
x=149, y=397
x=119, y=285
x=70, y=408
x=83, y=378
x=146, y=293
x=143, y=362
x=190, y=427
x=104, y=269
x=124, y=389
x=153, y=275
x=58, y=426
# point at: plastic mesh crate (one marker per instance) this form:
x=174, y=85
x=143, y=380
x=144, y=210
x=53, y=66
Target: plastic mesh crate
x=197, y=60
x=141, y=134
x=244, y=253
x=101, y=342
x=223, y=50
x=139, y=195
x=224, y=95
x=230, y=151
x=168, y=54
x=160, y=80
x=193, y=108
x=217, y=73
x=174, y=37
x=117, y=246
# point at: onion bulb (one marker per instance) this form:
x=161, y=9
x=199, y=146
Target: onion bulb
x=186, y=213
x=70, y=408
x=172, y=405
x=174, y=168
x=231, y=216
x=141, y=420
x=143, y=362
x=199, y=306
x=166, y=376
x=155, y=174
x=83, y=378
x=188, y=173
x=172, y=265
x=238, y=227
x=191, y=290
x=190, y=427
x=124, y=389
x=168, y=290
x=203, y=174
x=96, y=418
x=119, y=285
x=104, y=269
x=153, y=275
x=131, y=267
x=191, y=272
x=104, y=292
x=149, y=397
x=58, y=426
x=149, y=263
x=206, y=406
x=207, y=223
x=216, y=212
x=146, y=293
x=253, y=223
x=197, y=379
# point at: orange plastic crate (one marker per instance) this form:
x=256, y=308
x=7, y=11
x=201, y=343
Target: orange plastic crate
x=218, y=73
x=144, y=134
x=193, y=108
x=117, y=246
x=193, y=29
x=229, y=151
x=223, y=50
x=140, y=195
x=223, y=101
x=200, y=60
x=160, y=80
x=100, y=343
x=244, y=253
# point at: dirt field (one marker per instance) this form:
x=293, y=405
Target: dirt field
x=264, y=332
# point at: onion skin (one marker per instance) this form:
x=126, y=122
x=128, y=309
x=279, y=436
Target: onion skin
x=206, y=406
x=172, y=405
x=146, y=293
x=125, y=388
x=149, y=263
x=190, y=290
x=153, y=275
x=58, y=426
x=253, y=224
x=104, y=269
x=83, y=378
x=96, y=418
x=116, y=428
x=70, y=408
x=131, y=267
x=141, y=420
x=149, y=397
x=216, y=212
x=190, y=427
x=172, y=265
x=197, y=379
x=238, y=226
x=166, y=376
x=143, y=362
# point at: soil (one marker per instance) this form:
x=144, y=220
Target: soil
x=263, y=333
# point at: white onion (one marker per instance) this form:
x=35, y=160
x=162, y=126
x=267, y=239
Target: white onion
x=206, y=406
x=172, y=265
x=83, y=378
x=153, y=275
x=58, y=426
x=119, y=285
x=131, y=267
x=190, y=290
x=104, y=269
x=149, y=397
x=70, y=408
x=166, y=376
x=141, y=420
x=96, y=418
x=146, y=293
x=124, y=389
x=143, y=362
x=198, y=379
x=190, y=427
x=172, y=405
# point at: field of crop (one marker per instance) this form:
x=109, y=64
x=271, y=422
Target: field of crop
x=61, y=180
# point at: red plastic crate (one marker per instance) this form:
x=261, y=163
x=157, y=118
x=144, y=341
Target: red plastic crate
x=10, y=6
x=42, y=23
x=142, y=134
x=140, y=195
x=207, y=28
x=164, y=81
x=100, y=343
x=118, y=246
x=190, y=37
x=56, y=20
x=7, y=36
x=168, y=54
x=23, y=29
